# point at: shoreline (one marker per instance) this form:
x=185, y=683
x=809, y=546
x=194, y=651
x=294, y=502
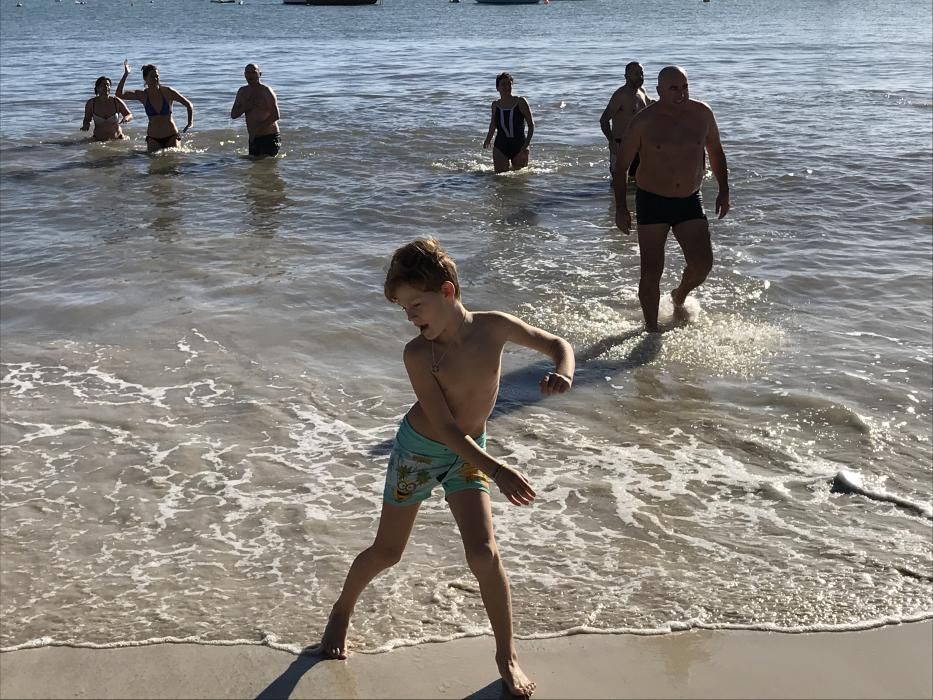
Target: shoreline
x=894, y=661
x=271, y=641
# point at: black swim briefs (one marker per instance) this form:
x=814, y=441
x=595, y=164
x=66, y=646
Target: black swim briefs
x=654, y=209
x=267, y=145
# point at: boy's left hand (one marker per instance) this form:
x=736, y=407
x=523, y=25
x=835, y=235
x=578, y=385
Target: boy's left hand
x=554, y=383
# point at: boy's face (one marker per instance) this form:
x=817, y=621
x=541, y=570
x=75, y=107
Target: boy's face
x=429, y=311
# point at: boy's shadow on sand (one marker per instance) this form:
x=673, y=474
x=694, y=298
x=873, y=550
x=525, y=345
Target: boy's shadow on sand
x=496, y=690
x=281, y=688
x=519, y=388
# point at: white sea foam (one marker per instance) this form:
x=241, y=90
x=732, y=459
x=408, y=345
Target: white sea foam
x=273, y=642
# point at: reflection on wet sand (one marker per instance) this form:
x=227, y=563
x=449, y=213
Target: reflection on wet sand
x=265, y=197
x=514, y=202
x=97, y=157
x=163, y=170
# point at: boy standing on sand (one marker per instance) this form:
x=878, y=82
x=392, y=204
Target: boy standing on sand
x=454, y=365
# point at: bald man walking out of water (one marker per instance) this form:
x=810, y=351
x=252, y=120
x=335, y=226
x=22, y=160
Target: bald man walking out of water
x=260, y=105
x=671, y=137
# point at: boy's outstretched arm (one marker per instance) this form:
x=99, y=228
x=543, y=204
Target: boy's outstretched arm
x=512, y=483
x=555, y=347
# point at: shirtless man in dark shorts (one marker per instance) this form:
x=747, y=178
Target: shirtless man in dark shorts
x=257, y=101
x=672, y=137
x=624, y=104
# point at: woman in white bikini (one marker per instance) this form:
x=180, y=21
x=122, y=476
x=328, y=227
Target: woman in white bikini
x=107, y=113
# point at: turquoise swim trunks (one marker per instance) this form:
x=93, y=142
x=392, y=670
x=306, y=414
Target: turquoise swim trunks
x=417, y=465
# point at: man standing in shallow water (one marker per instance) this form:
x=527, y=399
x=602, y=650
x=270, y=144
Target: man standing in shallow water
x=672, y=137
x=624, y=104
x=259, y=104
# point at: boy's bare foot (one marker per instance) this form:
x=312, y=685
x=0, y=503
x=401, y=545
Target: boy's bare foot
x=515, y=679
x=334, y=639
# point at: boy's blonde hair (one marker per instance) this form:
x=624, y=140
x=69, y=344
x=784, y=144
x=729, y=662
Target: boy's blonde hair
x=422, y=264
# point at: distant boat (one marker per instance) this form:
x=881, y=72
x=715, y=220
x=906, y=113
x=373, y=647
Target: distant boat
x=508, y=2
x=224, y=2
x=330, y=2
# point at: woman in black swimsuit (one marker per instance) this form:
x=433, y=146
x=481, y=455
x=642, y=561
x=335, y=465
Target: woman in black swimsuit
x=509, y=116
x=107, y=112
x=157, y=99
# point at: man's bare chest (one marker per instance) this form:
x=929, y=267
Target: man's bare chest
x=679, y=134
x=631, y=104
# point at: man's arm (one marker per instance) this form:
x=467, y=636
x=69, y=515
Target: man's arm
x=525, y=109
x=239, y=104
x=631, y=142
x=605, y=120
x=555, y=347
x=513, y=485
x=274, y=113
x=717, y=163
x=273, y=110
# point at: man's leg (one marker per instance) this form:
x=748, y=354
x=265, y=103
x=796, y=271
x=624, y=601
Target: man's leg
x=651, y=240
x=395, y=526
x=473, y=514
x=693, y=237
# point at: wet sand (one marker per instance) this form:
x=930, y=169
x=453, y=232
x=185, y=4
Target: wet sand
x=888, y=662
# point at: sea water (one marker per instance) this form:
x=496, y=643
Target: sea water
x=201, y=377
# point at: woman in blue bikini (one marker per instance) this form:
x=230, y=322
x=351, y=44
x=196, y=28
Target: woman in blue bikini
x=107, y=112
x=157, y=99
x=509, y=116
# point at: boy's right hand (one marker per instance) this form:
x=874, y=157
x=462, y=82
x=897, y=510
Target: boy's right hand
x=514, y=486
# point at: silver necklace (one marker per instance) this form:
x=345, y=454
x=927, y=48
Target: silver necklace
x=436, y=363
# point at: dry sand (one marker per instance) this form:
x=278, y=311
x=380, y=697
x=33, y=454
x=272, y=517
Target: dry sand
x=888, y=662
